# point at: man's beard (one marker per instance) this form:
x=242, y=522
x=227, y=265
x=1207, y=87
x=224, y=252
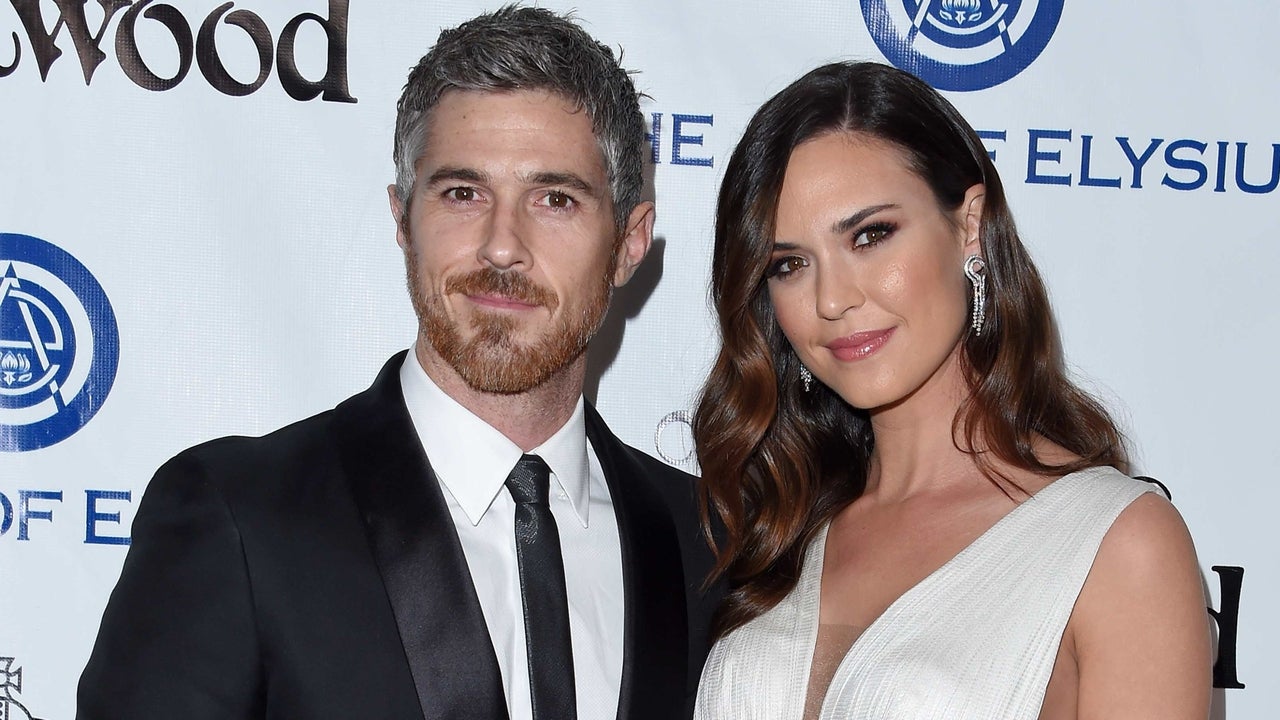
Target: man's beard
x=493, y=361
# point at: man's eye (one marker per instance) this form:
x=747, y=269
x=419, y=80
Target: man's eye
x=461, y=194
x=558, y=200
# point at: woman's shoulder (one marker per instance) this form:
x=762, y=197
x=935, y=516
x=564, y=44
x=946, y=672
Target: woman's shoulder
x=1148, y=542
x=1102, y=484
x=1147, y=534
x=1140, y=621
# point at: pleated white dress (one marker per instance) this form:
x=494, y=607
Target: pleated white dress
x=975, y=640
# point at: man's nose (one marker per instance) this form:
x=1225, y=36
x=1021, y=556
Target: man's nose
x=504, y=245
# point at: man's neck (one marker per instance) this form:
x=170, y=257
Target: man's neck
x=526, y=419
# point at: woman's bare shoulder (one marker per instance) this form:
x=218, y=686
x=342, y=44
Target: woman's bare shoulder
x=1140, y=628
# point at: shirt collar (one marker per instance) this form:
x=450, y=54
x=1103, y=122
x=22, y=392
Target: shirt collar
x=472, y=459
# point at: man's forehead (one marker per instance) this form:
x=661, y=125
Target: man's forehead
x=524, y=101
x=537, y=129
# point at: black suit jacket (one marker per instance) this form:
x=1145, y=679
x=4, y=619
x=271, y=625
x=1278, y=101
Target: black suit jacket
x=316, y=573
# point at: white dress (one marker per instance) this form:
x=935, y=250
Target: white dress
x=975, y=640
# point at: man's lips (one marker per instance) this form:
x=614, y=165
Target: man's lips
x=859, y=345
x=500, y=302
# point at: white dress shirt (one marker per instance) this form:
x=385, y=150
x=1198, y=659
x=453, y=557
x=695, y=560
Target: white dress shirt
x=471, y=460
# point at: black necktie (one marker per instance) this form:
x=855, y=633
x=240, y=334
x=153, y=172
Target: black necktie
x=542, y=590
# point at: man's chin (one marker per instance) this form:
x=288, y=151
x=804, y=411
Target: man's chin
x=492, y=354
x=513, y=377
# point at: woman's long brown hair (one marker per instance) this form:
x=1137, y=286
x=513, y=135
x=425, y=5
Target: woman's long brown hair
x=778, y=463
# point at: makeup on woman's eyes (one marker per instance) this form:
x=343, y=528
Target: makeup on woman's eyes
x=874, y=233
x=781, y=267
x=865, y=236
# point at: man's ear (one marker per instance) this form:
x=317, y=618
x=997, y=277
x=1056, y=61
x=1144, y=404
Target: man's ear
x=971, y=218
x=397, y=216
x=634, y=244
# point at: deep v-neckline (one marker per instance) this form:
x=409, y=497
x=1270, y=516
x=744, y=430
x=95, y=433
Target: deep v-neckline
x=814, y=603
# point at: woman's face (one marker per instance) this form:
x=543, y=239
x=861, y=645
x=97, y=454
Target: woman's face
x=866, y=274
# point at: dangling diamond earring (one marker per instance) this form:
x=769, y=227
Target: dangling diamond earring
x=975, y=268
x=806, y=378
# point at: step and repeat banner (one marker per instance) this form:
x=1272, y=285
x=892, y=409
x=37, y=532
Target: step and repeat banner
x=195, y=241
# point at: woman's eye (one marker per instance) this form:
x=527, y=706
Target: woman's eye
x=786, y=266
x=872, y=234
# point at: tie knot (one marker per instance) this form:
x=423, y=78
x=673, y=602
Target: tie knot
x=529, y=481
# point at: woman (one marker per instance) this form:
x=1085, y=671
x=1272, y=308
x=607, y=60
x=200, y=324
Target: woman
x=922, y=516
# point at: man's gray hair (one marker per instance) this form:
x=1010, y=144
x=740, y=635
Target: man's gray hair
x=525, y=48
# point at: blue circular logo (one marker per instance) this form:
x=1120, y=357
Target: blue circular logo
x=59, y=344
x=962, y=44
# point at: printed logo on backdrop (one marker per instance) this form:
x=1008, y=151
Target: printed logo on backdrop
x=11, y=686
x=59, y=344
x=962, y=44
x=673, y=440
x=147, y=36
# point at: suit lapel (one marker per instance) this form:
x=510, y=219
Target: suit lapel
x=655, y=640
x=416, y=547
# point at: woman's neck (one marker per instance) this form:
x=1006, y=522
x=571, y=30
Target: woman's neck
x=915, y=447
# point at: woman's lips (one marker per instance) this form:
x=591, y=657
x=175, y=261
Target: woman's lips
x=859, y=345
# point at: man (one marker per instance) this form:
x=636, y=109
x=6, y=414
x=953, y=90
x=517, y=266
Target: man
x=465, y=539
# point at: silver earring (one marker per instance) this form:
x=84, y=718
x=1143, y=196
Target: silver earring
x=806, y=378
x=975, y=268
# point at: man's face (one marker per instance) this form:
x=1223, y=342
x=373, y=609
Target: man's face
x=510, y=246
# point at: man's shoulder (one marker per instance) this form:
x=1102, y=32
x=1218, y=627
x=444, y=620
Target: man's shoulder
x=245, y=471
x=677, y=488
x=309, y=442
x=656, y=468
x=289, y=443
x=641, y=461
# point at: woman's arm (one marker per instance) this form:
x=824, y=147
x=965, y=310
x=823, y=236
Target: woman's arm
x=1140, y=627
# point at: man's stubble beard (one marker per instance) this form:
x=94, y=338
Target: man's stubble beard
x=492, y=360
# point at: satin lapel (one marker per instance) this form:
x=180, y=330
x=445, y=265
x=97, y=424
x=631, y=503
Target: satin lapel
x=655, y=640
x=442, y=628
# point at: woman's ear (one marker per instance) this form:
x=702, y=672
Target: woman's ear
x=971, y=218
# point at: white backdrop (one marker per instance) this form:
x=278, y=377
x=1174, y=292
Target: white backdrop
x=246, y=249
